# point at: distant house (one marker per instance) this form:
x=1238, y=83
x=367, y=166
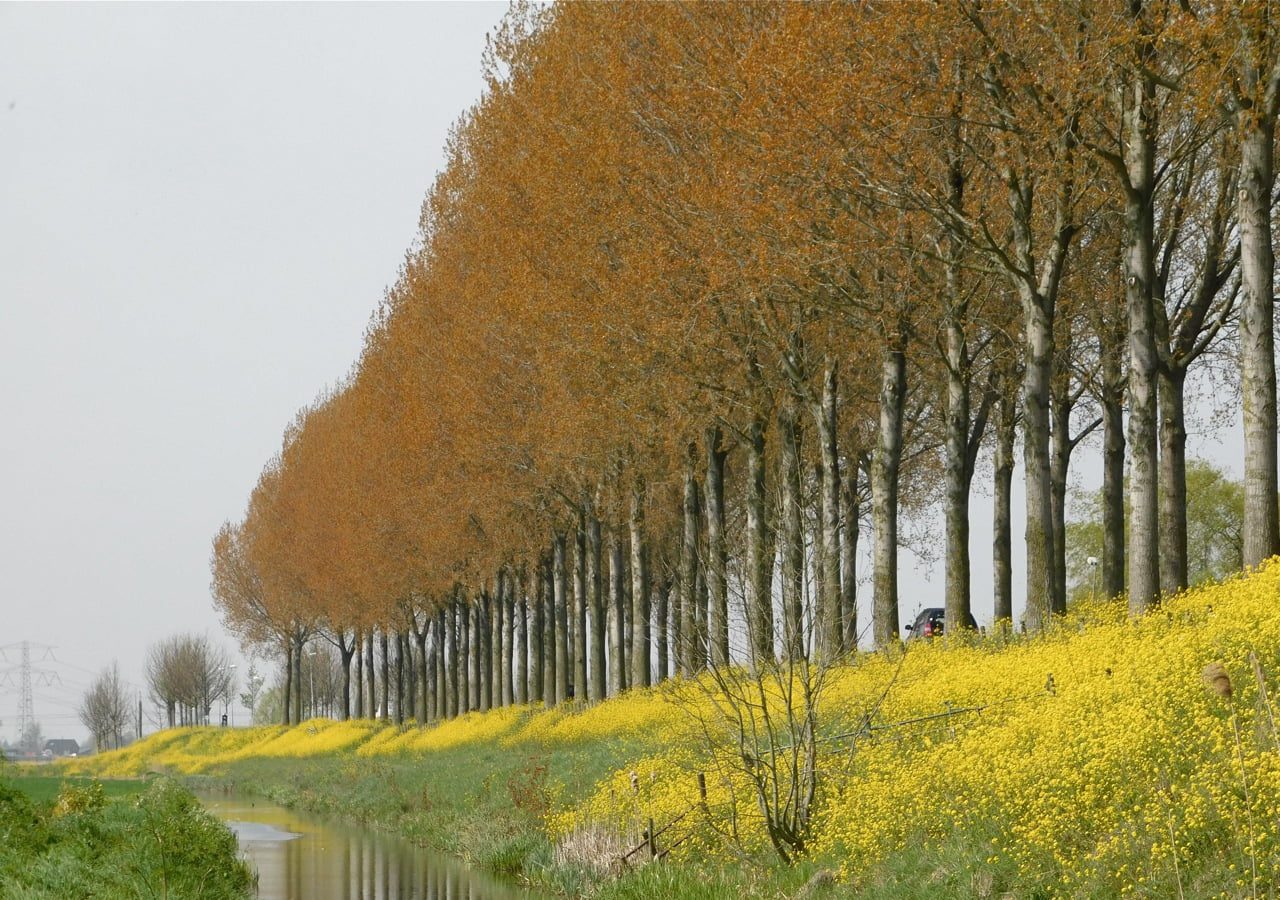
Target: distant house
x=61, y=747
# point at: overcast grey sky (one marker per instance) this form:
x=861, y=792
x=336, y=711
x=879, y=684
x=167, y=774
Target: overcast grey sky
x=200, y=206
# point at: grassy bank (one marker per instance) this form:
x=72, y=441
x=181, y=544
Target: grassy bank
x=81, y=839
x=1105, y=758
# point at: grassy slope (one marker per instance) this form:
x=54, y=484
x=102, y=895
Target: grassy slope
x=1120, y=775
x=150, y=840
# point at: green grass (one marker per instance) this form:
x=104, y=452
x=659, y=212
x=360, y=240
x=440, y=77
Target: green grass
x=155, y=842
x=45, y=789
x=483, y=804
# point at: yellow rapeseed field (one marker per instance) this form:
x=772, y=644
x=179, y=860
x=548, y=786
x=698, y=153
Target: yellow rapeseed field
x=1101, y=752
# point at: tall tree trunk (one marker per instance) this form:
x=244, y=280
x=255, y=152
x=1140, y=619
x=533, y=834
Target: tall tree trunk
x=758, y=578
x=640, y=635
x=521, y=600
x=595, y=600
x=1039, y=538
x=457, y=658
x=454, y=673
x=1257, y=331
x=1059, y=466
x=550, y=631
x=426, y=671
x=537, y=630
x=345, y=652
x=488, y=654
x=617, y=682
x=1002, y=513
x=690, y=644
x=885, y=466
x=371, y=671
x=1139, y=151
x=717, y=552
x=470, y=654
x=793, y=637
x=1173, y=480
x=661, y=598
x=358, y=646
x=441, y=682
x=288, y=681
x=400, y=685
x=830, y=631
x=508, y=638
x=562, y=619
x=579, y=611
x=501, y=662
x=1113, y=441
x=849, y=558
x=958, y=599
x=385, y=700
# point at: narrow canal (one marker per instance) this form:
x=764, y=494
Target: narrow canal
x=302, y=857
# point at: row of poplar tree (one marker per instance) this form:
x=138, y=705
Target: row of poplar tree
x=705, y=290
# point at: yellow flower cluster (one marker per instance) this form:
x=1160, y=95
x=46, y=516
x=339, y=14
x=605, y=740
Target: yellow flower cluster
x=1097, y=753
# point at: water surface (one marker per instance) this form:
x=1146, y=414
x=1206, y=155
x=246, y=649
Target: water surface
x=303, y=857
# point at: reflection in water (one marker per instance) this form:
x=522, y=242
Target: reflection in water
x=299, y=857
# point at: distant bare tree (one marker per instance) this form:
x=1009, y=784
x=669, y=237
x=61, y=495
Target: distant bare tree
x=105, y=709
x=186, y=674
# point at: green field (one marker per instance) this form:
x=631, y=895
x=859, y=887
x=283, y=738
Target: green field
x=76, y=838
x=45, y=788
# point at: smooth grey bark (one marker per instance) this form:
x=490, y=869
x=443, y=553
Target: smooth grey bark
x=1137, y=171
x=959, y=442
x=617, y=679
x=1063, y=400
x=359, y=677
x=372, y=706
x=829, y=630
x=1257, y=320
x=561, y=599
x=1173, y=480
x=400, y=677
x=498, y=632
x=717, y=551
x=792, y=528
x=507, y=597
x=384, y=700
x=430, y=651
x=452, y=669
x=640, y=627
x=288, y=682
x=850, y=509
x=595, y=594
x=579, y=611
x=475, y=644
x=758, y=577
x=885, y=465
x=425, y=671
x=1113, y=450
x=1002, y=507
x=484, y=610
x=624, y=659
x=958, y=460
x=442, y=662
x=691, y=645
x=1038, y=298
x=537, y=629
x=419, y=629
x=521, y=601
x=661, y=607
x=550, y=633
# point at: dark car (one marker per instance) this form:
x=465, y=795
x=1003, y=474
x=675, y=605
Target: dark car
x=930, y=621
